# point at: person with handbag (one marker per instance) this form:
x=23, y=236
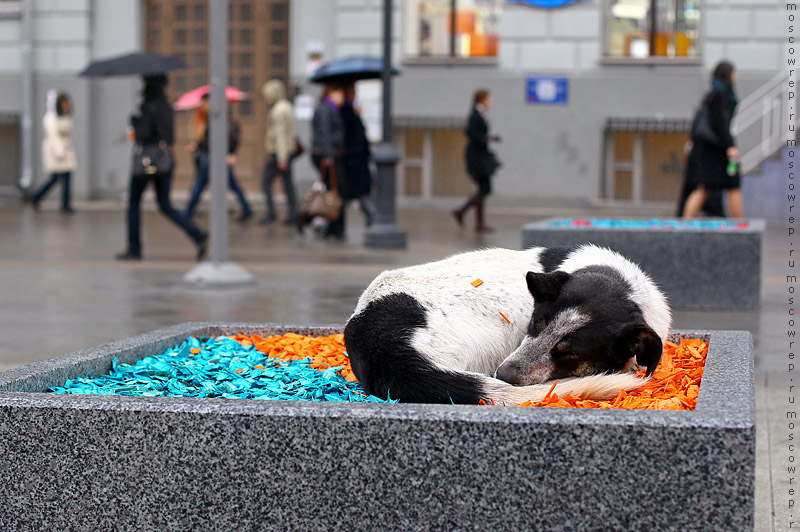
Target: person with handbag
x=282, y=147
x=327, y=152
x=202, y=164
x=715, y=157
x=481, y=161
x=58, y=155
x=153, y=130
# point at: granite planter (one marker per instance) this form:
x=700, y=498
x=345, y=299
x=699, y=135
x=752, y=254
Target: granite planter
x=700, y=269
x=143, y=463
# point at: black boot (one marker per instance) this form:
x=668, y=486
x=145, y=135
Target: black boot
x=480, y=226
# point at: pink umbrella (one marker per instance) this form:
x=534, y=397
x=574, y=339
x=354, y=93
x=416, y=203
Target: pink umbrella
x=192, y=99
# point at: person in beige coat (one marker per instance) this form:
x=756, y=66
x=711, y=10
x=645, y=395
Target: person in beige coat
x=280, y=147
x=58, y=155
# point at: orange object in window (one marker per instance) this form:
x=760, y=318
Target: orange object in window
x=682, y=44
x=465, y=21
x=483, y=45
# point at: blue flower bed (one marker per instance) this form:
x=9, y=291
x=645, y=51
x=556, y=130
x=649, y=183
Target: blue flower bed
x=221, y=367
x=653, y=223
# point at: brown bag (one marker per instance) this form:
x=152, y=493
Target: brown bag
x=321, y=201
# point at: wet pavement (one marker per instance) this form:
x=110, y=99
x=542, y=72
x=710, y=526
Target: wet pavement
x=61, y=290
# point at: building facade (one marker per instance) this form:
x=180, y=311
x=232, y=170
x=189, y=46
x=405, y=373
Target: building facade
x=588, y=101
x=564, y=82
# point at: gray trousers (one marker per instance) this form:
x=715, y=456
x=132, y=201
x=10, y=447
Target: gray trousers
x=269, y=173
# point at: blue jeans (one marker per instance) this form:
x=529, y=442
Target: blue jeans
x=65, y=178
x=201, y=182
x=162, y=184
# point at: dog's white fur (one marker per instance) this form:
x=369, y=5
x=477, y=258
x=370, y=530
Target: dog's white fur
x=466, y=332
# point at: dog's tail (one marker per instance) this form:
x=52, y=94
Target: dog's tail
x=598, y=387
x=388, y=366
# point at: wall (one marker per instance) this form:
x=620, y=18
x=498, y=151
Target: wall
x=555, y=151
x=67, y=35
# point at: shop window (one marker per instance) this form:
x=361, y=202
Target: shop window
x=451, y=28
x=646, y=29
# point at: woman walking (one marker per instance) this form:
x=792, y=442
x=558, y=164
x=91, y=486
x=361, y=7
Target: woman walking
x=716, y=159
x=356, y=156
x=327, y=148
x=58, y=155
x=481, y=161
x=154, y=132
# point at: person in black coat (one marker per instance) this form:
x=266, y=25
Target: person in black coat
x=327, y=149
x=356, y=157
x=715, y=157
x=154, y=125
x=481, y=161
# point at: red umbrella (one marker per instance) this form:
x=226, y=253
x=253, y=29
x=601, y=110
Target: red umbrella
x=192, y=99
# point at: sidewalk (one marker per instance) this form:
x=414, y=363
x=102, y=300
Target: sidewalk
x=61, y=290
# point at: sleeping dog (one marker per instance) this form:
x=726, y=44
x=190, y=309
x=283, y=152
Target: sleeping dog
x=584, y=315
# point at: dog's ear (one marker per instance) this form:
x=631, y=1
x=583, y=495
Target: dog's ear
x=546, y=286
x=640, y=341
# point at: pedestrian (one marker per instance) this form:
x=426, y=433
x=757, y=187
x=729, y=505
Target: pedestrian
x=327, y=148
x=201, y=156
x=716, y=158
x=153, y=129
x=58, y=155
x=481, y=161
x=356, y=156
x=280, y=146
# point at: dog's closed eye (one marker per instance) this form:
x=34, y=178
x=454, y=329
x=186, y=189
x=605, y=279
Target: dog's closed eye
x=562, y=347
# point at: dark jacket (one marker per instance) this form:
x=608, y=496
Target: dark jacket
x=356, y=154
x=327, y=132
x=711, y=160
x=234, y=135
x=480, y=160
x=155, y=122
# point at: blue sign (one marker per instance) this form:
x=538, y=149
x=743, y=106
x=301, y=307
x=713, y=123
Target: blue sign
x=547, y=91
x=546, y=4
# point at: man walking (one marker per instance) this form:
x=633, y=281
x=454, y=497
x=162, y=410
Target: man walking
x=280, y=146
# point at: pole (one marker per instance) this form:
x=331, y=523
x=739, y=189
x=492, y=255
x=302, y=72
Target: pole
x=218, y=270
x=384, y=233
x=26, y=179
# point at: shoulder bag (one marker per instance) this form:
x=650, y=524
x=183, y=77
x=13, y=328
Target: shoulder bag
x=152, y=159
x=320, y=201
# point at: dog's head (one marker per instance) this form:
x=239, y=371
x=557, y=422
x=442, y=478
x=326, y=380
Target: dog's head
x=583, y=323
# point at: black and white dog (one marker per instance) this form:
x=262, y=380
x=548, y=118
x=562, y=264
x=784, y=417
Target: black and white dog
x=425, y=334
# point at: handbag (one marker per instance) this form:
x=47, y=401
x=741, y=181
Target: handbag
x=320, y=201
x=701, y=128
x=152, y=159
x=299, y=149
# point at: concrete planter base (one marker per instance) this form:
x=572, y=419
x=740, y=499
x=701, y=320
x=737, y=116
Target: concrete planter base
x=696, y=268
x=142, y=463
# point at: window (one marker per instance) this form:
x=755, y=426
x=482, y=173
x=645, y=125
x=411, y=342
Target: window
x=429, y=31
x=644, y=29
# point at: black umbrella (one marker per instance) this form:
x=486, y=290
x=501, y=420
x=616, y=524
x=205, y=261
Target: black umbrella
x=136, y=63
x=350, y=69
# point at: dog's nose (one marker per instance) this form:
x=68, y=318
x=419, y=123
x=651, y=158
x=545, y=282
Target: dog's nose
x=505, y=373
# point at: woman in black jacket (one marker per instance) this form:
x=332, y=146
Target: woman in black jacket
x=154, y=126
x=481, y=162
x=327, y=149
x=715, y=158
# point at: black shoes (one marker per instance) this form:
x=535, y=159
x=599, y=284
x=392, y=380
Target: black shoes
x=202, y=246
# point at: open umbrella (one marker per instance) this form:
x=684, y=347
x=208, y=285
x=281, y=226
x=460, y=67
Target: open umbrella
x=350, y=69
x=192, y=99
x=137, y=63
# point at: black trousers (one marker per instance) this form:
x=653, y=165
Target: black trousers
x=162, y=183
x=65, y=178
x=269, y=173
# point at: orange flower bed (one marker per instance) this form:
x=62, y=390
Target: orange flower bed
x=324, y=351
x=675, y=384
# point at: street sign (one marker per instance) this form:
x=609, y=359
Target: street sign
x=547, y=91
